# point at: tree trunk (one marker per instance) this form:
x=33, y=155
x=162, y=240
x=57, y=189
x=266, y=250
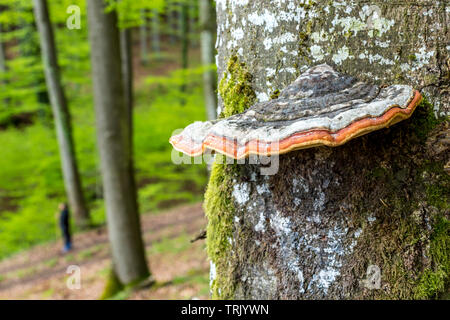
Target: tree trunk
x=3, y=66
x=184, y=36
x=143, y=38
x=61, y=115
x=156, y=47
x=114, y=141
x=207, y=24
x=366, y=220
x=171, y=22
x=193, y=23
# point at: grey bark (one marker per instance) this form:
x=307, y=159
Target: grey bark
x=61, y=114
x=114, y=142
x=143, y=38
x=156, y=46
x=3, y=66
x=2, y=52
x=184, y=37
x=313, y=229
x=171, y=22
x=193, y=22
x=207, y=25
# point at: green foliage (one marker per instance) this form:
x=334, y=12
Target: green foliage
x=171, y=245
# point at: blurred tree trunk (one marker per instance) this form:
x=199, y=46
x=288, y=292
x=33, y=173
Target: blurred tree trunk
x=143, y=38
x=29, y=47
x=207, y=25
x=366, y=220
x=171, y=22
x=156, y=46
x=3, y=66
x=114, y=142
x=61, y=115
x=126, y=50
x=193, y=22
x=184, y=36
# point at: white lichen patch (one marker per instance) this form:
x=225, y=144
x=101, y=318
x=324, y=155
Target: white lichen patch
x=212, y=272
x=287, y=246
x=241, y=192
x=317, y=53
x=341, y=55
x=261, y=225
x=266, y=19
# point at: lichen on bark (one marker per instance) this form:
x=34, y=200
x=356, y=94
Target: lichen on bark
x=237, y=95
x=313, y=230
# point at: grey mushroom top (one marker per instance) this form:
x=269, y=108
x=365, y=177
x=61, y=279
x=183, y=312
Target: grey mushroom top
x=322, y=106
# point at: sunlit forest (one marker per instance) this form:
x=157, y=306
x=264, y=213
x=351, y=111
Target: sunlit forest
x=224, y=150
x=167, y=95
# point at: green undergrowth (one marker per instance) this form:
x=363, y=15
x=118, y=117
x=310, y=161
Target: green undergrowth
x=31, y=183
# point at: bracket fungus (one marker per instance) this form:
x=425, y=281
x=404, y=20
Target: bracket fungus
x=321, y=107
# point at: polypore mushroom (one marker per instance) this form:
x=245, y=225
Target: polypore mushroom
x=321, y=107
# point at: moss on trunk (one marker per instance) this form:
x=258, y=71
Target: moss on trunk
x=237, y=94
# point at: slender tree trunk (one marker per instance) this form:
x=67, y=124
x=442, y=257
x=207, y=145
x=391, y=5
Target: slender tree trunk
x=126, y=50
x=366, y=220
x=143, y=38
x=207, y=25
x=29, y=47
x=61, y=115
x=3, y=66
x=193, y=22
x=156, y=46
x=114, y=141
x=184, y=36
x=171, y=22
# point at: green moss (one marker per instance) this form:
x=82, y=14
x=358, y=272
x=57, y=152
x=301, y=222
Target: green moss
x=113, y=286
x=424, y=119
x=235, y=88
x=434, y=280
x=275, y=94
x=237, y=94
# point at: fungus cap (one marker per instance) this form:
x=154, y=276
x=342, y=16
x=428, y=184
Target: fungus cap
x=321, y=107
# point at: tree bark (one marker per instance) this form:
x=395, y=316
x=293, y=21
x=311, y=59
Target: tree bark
x=114, y=141
x=3, y=66
x=334, y=219
x=156, y=46
x=61, y=114
x=143, y=38
x=184, y=35
x=207, y=25
x=171, y=22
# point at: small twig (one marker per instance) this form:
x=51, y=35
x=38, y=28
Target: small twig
x=384, y=203
x=201, y=235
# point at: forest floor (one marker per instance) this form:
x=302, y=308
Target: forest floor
x=179, y=266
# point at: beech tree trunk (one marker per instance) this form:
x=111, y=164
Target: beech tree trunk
x=114, y=142
x=156, y=46
x=61, y=114
x=366, y=220
x=207, y=25
x=143, y=38
x=3, y=66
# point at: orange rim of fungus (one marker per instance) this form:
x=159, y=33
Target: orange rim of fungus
x=299, y=140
